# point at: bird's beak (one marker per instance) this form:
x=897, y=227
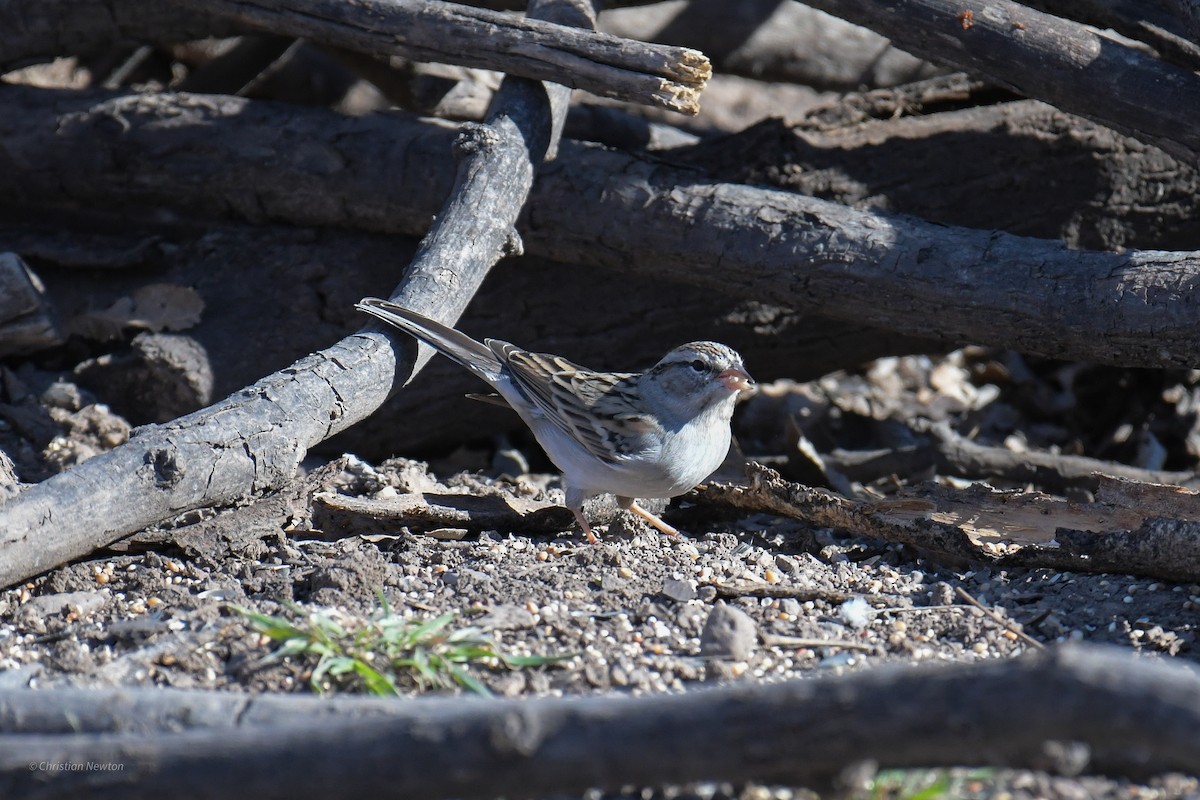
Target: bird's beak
x=736, y=380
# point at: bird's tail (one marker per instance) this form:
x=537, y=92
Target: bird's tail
x=453, y=344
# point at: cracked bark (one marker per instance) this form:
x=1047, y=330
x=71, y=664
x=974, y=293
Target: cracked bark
x=252, y=441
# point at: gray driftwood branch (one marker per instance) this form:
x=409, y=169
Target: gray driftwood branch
x=1130, y=716
x=430, y=30
x=621, y=211
x=1067, y=64
x=252, y=441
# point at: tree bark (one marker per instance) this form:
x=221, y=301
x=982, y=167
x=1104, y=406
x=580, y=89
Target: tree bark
x=430, y=30
x=1144, y=22
x=623, y=212
x=1022, y=167
x=1137, y=717
x=1069, y=65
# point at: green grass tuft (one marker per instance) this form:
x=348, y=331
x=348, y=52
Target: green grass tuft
x=383, y=652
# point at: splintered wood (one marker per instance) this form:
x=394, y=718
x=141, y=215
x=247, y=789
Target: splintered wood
x=1134, y=528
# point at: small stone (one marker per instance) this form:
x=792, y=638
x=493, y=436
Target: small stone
x=677, y=590
x=84, y=602
x=507, y=617
x=728, y=633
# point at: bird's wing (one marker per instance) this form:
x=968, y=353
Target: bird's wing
x=597, y=409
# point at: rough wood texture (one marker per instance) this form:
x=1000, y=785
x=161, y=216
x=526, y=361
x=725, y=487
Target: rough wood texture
x=616, y=210
x=252, y=441
x=1145, y=22
x=1138, y=717
x=1117, y=539
x=1023, y=167
x=1064, y=63
x=1189, y=13
x=952, y=454
x=430, y=30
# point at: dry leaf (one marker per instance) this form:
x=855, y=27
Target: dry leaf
x=154, y=307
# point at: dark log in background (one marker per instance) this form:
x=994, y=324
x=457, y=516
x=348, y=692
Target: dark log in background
x=1019, y=166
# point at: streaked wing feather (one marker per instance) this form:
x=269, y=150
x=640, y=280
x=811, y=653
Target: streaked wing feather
x=591, y=407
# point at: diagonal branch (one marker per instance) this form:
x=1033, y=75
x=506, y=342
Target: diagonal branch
x=252, y=441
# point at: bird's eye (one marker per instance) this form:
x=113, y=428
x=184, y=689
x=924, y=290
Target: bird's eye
x=699, y=366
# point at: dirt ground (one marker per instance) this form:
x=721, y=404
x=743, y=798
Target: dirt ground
x=638, y=612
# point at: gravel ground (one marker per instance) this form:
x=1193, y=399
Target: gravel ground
x=735, y=599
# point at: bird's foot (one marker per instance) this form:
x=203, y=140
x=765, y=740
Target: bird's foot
x=631, y=505
x=583, y=523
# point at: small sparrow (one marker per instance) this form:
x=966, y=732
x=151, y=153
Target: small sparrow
x=631, y=434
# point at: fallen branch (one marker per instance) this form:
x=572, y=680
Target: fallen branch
x=251, y=442
x=1002, y=529
x=341, y=515
x=1145, y=22
x=32, y=31
x=977, y=164
x=233, y=266
x=1136, y=716
x=605, y=208
x=1067, y=64
x=1189, y=13
x=952, y=454
x=431, y=30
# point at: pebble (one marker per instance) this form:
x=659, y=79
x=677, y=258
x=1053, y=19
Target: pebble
x=679, y=591
x=50, y=604
x=728, y=633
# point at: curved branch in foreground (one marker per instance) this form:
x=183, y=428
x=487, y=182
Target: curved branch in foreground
x=1069, y=65
x=252, y=441
x=1137, y=717
x=605, y=208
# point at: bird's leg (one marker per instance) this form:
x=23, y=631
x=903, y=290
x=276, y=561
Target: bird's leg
x=583, y=523
x=630, y=504
x=575, y=500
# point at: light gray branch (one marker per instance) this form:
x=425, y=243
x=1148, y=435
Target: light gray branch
x=1135, y=716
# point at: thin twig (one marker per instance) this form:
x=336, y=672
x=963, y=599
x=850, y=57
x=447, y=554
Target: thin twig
x=1007, y=624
